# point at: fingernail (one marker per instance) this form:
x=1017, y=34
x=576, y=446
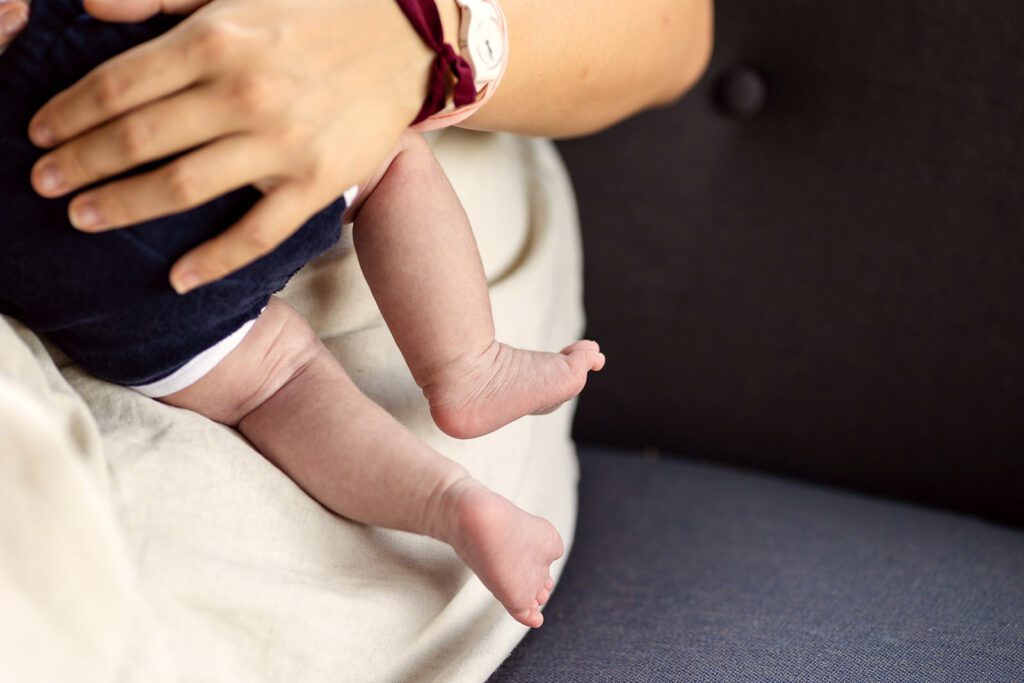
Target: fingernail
x=51, y=178
x=186, y=282
x=41, y=135
x=85, y=215
x=12, y=22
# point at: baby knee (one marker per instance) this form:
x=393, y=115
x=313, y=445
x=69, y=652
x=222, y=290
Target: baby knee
x=276, y=349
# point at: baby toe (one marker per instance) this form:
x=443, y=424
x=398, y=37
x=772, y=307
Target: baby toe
x=584, y=345
x=529, y=617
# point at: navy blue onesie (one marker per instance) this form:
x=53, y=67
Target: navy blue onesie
x=104, y=299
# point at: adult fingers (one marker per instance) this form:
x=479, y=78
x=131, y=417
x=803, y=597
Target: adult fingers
x=187, y=182
x=13, y=19
x=145, y=73
x=138, y=10
x=153, y=132
x=274, y=218
x=122, y=10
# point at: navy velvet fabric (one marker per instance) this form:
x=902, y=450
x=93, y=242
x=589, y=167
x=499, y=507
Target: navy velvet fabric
x=105, y=299
x=688, y=572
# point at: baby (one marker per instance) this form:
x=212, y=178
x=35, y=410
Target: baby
x=238, y=355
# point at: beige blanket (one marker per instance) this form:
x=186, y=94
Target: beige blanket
x=140, y=542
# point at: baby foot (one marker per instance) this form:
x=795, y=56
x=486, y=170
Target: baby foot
x=510, y=550
x=474, y=395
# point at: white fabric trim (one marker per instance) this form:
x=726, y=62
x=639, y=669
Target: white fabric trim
x=125, y=620
x=197, y=368
x=350, y=195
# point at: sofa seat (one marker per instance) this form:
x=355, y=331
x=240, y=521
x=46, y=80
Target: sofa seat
x=684, y=571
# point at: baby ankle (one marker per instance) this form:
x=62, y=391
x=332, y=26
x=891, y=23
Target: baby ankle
x=444, y=514
x=456, y=371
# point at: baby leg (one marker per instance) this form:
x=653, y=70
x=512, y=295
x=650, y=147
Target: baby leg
x=284, y=391
x=417, y=251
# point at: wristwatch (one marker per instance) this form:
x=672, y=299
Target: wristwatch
x=482, y=39
x=483, y=42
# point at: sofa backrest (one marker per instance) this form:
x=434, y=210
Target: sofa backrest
x=814, y=264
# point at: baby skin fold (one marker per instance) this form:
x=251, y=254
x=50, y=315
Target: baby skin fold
x=290, y=397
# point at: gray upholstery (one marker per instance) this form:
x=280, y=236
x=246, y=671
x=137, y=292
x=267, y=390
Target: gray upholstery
x=692, y=572
x=814, y=263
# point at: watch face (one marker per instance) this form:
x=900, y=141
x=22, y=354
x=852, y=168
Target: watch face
x=482, y=39
x=489, y=44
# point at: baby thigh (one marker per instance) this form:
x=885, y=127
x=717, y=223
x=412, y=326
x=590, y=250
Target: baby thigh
x=279, y=345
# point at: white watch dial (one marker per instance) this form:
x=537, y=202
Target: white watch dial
x=490, y=44
x=482, y=40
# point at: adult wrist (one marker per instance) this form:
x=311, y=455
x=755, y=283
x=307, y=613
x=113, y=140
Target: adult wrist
x=453, y=78
x=423, y=56
x=410, y=65
x=477, y=32
x=450, y=20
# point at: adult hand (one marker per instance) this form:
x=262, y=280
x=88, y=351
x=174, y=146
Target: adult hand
x=304, y=98
x=13, y=17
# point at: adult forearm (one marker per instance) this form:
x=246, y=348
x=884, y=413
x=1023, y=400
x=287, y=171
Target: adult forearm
x=577, y=66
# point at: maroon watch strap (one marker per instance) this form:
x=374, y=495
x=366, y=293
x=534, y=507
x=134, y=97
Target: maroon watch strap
x=424, y=17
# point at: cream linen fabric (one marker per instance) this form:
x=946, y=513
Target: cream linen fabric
x=140, y=542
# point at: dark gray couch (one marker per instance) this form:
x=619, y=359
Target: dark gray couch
x=809, y=280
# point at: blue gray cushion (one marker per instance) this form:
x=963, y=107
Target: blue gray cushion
x=832, y=267
x=691, y=572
